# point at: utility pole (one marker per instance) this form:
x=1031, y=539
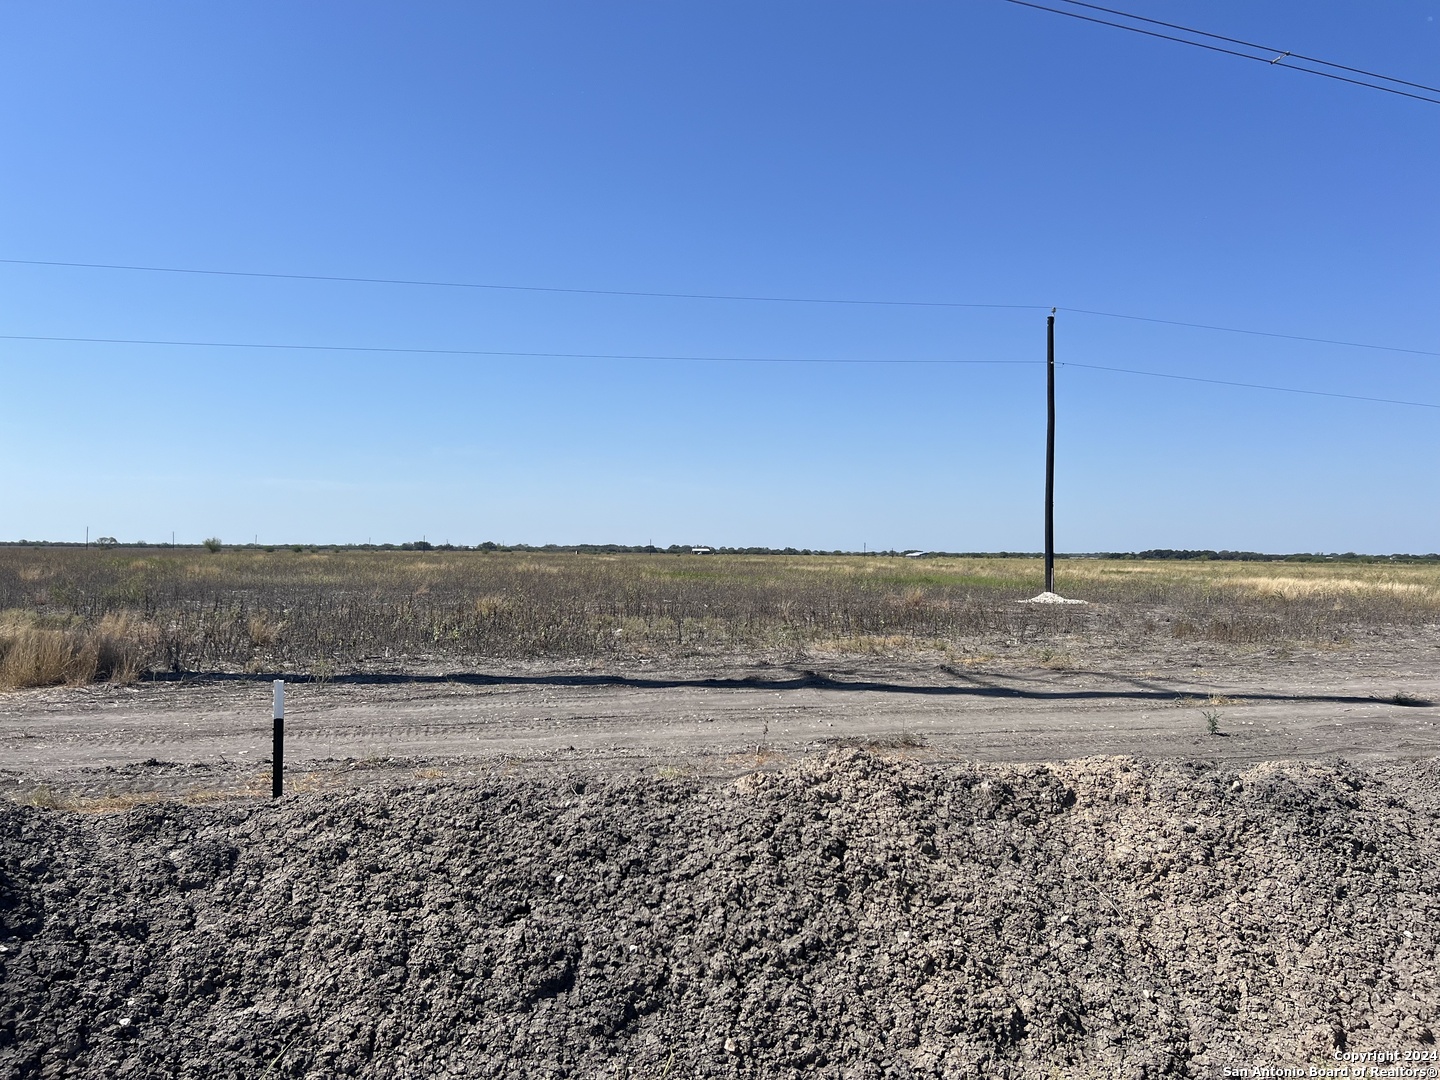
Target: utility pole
x=1050, y=452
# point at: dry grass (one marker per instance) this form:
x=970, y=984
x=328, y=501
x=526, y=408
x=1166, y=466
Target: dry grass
x=76, y=615
x=256, y=786
x=264, y=629
x=905, y=740
x=36, y=650
x=112, y=803
x=1410, y=700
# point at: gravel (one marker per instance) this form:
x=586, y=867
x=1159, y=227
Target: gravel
x=856, y=915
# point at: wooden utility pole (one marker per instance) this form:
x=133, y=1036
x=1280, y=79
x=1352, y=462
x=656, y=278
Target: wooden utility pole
x=1050, y=452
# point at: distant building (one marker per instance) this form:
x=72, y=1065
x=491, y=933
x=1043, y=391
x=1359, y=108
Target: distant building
x=702, y=551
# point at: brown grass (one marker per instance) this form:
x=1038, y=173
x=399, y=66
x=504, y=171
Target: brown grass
x=263, y=628
x=40, y=651
x=76, y=615
x=44, y=798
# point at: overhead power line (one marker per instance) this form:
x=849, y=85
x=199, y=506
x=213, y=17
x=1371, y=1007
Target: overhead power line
x=703, y=296
x=396, y=350
x=1252, y=386
x=523, y=288
x=496, y=352
x=1253, y=333
x=1251, y=45
x=1260, y=53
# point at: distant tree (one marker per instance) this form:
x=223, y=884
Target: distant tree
x=212, y=544
x=106, y=541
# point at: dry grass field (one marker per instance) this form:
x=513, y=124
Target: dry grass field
x=74, y=615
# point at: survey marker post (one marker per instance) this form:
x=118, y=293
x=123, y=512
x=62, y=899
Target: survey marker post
x=277, y=755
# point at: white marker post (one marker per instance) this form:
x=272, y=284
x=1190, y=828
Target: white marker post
x=277, y=754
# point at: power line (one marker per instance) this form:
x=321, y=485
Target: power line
x=392, y=350
x=1253, y=386
x=1272, y=60
x=522, y=288
x=1252, y=45
x=492, y=352
x=700, y=296
x=1253, y=333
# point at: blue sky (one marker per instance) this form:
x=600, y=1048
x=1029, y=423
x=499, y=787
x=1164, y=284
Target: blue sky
x=967, y=152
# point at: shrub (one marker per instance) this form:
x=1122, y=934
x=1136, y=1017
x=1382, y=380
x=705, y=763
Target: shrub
x=212, y=544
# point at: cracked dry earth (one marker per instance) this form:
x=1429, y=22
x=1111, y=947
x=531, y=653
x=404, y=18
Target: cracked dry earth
x=852, y=914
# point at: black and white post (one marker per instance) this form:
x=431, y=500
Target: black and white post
x=1050, y=452
x=277, y=755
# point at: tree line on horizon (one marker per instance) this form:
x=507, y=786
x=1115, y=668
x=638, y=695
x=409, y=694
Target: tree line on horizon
x=1150, y=554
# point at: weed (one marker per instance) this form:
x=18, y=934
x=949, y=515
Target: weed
x=1055, y=660
x=1212, y=721
x=905, y=740
x=971, y=661
x=113, y=802
x=1408, y=700
x=263, y=629
x=43, y=798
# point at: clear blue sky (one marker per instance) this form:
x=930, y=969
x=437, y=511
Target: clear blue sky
x=971, y=152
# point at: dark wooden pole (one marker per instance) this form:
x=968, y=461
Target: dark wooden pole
x=1050, y=453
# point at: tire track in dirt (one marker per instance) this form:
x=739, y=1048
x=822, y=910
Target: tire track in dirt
x=65, y=733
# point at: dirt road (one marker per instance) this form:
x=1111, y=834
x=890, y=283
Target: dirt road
x=216, y=730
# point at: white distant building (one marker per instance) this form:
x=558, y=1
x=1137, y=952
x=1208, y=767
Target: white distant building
x=702, y=551
x=915, y=554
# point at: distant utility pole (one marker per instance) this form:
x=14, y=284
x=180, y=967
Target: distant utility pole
x=1050, y=452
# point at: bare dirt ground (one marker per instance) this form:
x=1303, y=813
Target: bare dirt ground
x=1369, y=701
x=848, y=915
x=1026, y=863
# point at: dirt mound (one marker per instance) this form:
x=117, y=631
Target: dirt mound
x=848, y=916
